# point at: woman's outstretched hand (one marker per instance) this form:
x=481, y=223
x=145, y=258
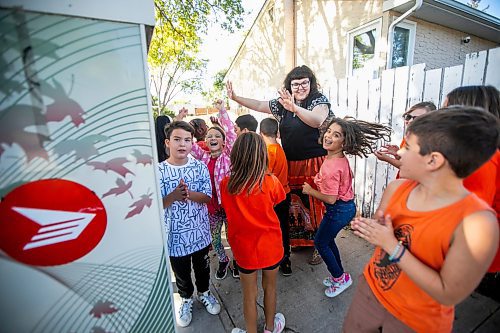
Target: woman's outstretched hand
x=230, y=91
x=287, y=100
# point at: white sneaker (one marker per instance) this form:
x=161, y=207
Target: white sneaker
x=338, y=288
x=185, y=313
x=210, y=302
x=329, y=281
x=279, y=323
x=238, y=330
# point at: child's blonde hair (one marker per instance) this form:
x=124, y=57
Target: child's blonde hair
x=249, y=163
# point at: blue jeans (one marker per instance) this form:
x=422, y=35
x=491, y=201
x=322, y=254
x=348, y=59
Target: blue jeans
x=336, y=217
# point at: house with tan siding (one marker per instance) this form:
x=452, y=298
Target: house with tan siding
x=355, y=38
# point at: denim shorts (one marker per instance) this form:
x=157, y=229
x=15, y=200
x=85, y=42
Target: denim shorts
x=250, y=271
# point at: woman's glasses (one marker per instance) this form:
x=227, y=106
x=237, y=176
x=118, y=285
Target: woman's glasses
x=304, y=85
x=409, y=117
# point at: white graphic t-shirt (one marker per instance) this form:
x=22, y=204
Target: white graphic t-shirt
x=186, y=222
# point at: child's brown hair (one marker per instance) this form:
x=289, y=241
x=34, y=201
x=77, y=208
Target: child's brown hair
x=269, y=127
x=249, y=163
x=360, y=137
x=178, y=124
x=466, y=136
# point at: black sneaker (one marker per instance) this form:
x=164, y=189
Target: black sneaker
x=286, y=267
x=236, y=272
x=222, y=270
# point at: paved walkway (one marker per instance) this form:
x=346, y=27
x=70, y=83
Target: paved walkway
x=307, y=310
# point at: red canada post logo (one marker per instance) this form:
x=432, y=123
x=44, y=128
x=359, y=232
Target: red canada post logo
x=51, y=222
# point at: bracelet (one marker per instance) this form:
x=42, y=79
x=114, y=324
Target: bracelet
x=396, y=260
x=396, y=251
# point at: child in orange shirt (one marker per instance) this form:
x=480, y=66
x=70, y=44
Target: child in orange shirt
x=346, y=136
x=249, y=195
x=434, y=239
x=279, y=167
x=484, y=182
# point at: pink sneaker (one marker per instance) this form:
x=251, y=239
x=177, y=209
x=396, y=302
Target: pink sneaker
x=330, y=281
x=338, y=288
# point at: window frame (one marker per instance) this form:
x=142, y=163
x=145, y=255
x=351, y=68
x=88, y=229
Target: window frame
x=374, y=24
x=412, y=27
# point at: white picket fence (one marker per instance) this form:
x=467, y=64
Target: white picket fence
x=386, y=98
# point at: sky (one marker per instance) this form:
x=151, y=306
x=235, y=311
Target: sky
x=220, y=46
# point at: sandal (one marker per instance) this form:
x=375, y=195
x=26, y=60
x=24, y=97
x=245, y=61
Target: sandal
x=315, y=259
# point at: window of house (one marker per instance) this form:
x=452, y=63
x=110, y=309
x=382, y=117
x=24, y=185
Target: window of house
x=403, y=44
x=363, y=49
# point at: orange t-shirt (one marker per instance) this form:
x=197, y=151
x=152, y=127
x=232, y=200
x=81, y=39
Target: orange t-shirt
x=427, y=235
x=278, y=164
x=485, y=183
x=253, y=229
x=482, y=182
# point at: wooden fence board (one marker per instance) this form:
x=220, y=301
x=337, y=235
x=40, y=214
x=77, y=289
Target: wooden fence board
x=371, y=162
x=398, y=108
x=342, y=104
x=416, y=84
x=432, y=85
x=475, y=64
x=452, y=78
x=360, y=171
x=492, y=76
x=385, y=115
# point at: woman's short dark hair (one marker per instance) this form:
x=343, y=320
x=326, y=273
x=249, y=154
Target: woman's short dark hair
x=301, y=72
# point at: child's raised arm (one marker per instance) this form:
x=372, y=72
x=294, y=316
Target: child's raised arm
x=227, y=125
x=473, y=247
x=197, y=151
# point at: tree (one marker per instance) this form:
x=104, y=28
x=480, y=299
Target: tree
x=218, y=88
x=174, y=60
x=475, y=4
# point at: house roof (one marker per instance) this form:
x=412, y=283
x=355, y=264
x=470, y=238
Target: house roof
x=134, y=11
x=454, y=15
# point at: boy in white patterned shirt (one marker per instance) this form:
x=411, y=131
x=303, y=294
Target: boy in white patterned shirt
x=186, y=189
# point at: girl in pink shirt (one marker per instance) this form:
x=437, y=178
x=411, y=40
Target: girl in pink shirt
x=220, y=141
x=334, y=181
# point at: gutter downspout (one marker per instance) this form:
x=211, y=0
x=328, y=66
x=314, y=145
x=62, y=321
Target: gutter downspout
x=390, y=36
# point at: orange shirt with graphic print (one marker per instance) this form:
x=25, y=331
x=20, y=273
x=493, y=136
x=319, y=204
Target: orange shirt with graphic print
x=427, y=235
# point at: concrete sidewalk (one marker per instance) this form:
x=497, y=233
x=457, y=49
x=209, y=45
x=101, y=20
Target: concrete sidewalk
x=301, y=298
